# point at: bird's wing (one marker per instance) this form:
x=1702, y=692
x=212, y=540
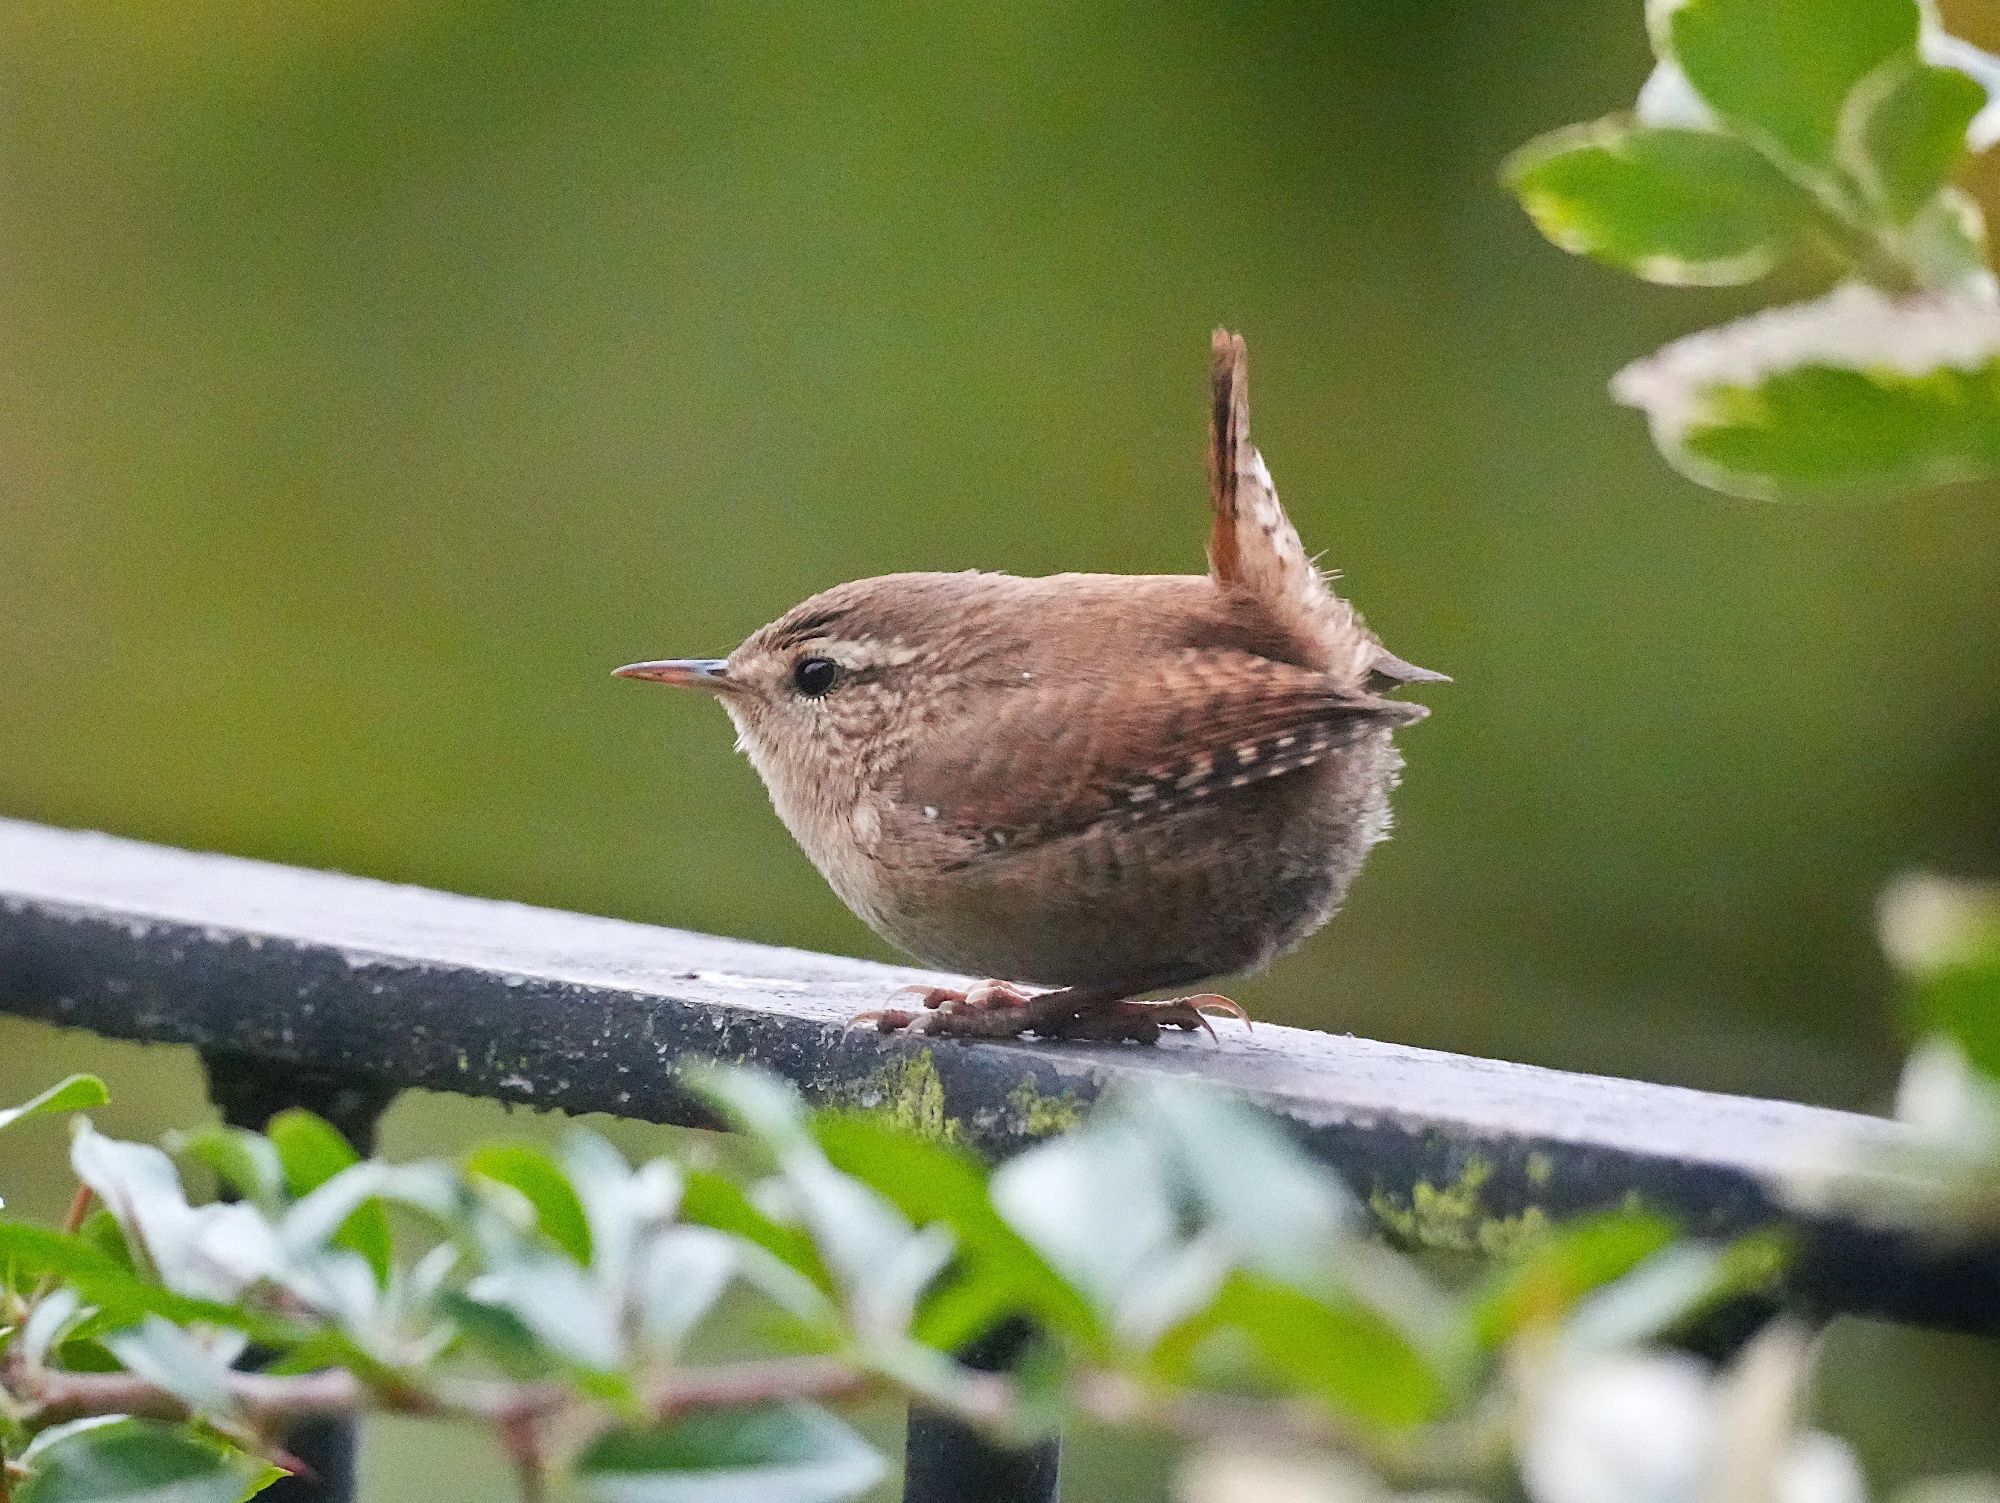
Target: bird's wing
x=1252, y=545
x=1196, y=726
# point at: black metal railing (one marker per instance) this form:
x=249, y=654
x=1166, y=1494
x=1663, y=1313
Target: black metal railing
x=310, y=989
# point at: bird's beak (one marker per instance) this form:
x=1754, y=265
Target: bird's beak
x=711, y=674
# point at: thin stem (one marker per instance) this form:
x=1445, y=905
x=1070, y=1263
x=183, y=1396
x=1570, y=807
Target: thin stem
x=521, y=1440
x=272, y=1401
x=1841, y=227
x=827, y=1379
x=79, y=1207
x=265, y=1400
x=520, y=1413
x=532, y=1478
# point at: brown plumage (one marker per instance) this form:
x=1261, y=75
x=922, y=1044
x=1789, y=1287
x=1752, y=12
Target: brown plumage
x=1100, y=783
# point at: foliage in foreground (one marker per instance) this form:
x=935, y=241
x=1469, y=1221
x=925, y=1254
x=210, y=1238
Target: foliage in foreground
x=1943, y=938
x=1185, y=1269
x=1815, y=137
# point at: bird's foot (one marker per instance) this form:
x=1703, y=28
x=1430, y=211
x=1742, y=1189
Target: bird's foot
x=1141, y=1022
x=1001, y=1010
x=986, y=1009
x=1189, y=1013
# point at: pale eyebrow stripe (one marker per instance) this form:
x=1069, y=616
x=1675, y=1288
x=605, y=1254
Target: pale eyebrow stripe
x=791, y=633
x=861, y=656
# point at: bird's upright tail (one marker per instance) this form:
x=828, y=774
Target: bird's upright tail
x=1252, y=545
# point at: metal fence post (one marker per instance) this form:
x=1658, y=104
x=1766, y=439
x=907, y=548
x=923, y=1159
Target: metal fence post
x=249, y=1093
x=945, y=1462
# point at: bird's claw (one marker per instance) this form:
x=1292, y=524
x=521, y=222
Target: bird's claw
x=1186, y=1013
x=999, y=1009
x=1206, y=1002
x=883, y=1019
x=986, y=1009
x=981, y=996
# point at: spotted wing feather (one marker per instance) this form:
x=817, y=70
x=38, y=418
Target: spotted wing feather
x=1201, y=725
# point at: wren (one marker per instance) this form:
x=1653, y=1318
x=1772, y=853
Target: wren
x=1101, y=784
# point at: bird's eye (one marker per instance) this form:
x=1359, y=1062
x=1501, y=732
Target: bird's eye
x=813, y=677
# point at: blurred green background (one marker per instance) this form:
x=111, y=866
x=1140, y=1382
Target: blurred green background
x=377, y=374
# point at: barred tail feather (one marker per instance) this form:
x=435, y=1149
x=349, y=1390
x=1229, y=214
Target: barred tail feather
x=1252, y=545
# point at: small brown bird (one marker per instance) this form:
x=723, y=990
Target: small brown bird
x=1104, y=784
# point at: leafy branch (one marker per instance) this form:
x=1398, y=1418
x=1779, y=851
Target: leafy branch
x=1186, y=1269
x=1824, y=137
x=1943, y=938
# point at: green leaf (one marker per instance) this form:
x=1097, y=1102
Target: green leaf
x=1682, y=207
x=76, y=1093
x=541, y=1181
x=713, y=1200
x=328, y=1346
x=681, y=1275
x=789, y=1453
x=169, y=1358
x=1945, y=246
x=1826, y=426
x=754, y=1103
x=1337, y=1350
x=101, y=1230
x=36, y=1250
x=1855, y=389
x=122, y=1460
x=499, y=1334
x=556, y=1299
x=777, y=1260
x=312, y=1152
x=1543, y=1284
x=965, y=1305
x=210, y=1253
x=1783, y=69
x=1977, y=64
x=79, y=1354
x=117, y=1292
x=1963, y=1003
x=933, y=1183
x=139, y=1186
x=1904, y=134
x=310, y=1149
x=49, y=1323
x=1277, y=1211
x=1943, y=936
x=1666, y=1291
x=1096, y=1204
x=245, y=1162
x=880, y=1264
x=1940, y=1174
x=620, y=1205
x=322, y=1218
